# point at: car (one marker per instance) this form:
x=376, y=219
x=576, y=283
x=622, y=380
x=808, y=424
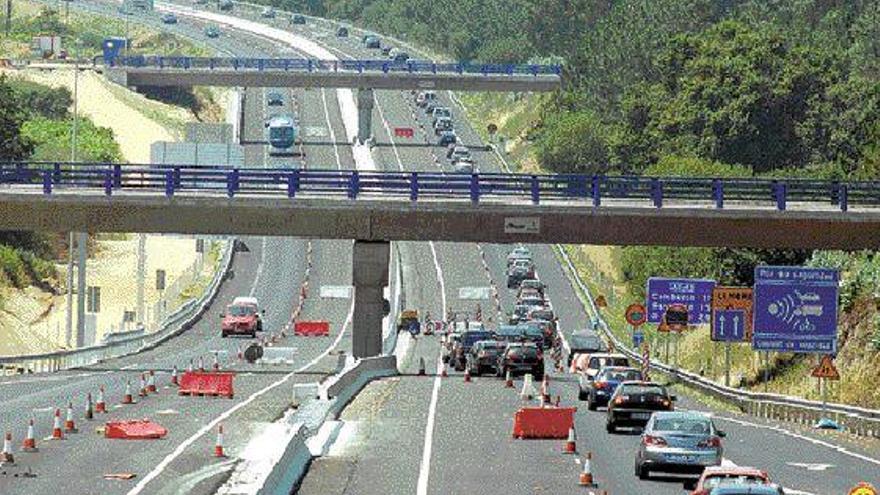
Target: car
x=464, y=166
x=457, y=151
x=518, y=315
x=224, y=5
x=430, y=105
x=424, y=97
x=527, y=293
x=737, y=489
x=342, y=32
x=534, y=334
x=212, y=31
x=532, y=302
x=399, y=57
x=169, y=18
x=521, y=357
x=268, y=13
x=519, y=253
x=545, y=329
x=633, y=402
x=242, y=317
x=603, y=387
x=738, y=476
x=581, y=344
x=598, y=361
x=509, y=333
x=446, y=138
x=371, y=41
x=533, y=285
x=450, y=341
x=483, y=356
x=519, y=271
x=300, y=19
x=458, y=358
x=444, y=124
x=274, y=98
x=440, y=112
x=678, y=442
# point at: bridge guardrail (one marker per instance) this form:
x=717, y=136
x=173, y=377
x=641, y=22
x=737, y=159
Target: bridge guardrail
x=172, y=179
x=857, y=420
x=173, y=324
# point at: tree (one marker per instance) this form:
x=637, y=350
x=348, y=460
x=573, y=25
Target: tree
x=13, y=146
x=573, y=143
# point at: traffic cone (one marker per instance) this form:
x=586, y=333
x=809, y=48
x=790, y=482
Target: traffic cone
x=174, y=375
x=218, y=447
x=127, y=398
x=467, y=375
x=421, y=366
x=586, y=478
x=201, y=363
x=216, y=365
x=508, y=382
x=30, y=443
x=57, y=433
x=545, y=390
x=189, y=368
x=69, y=424
x=443, y=372
x=151, y=383
x=100, y=406
x=89, y=414
x=6, y=456
x=142, y=392
x=570, y=444
x=528, y=390
x=240, y=354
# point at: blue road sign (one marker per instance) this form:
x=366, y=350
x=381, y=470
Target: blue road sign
x=795, y=309
x=729, y=325
x=696, y=294
x=638, y=338
x=414, y=328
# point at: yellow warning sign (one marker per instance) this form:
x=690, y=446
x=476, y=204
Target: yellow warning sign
x=863, y=488
x=826, y=369
x=735, y=298
x=601, y=302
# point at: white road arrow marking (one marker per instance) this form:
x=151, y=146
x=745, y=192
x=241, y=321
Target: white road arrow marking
x=811, y=466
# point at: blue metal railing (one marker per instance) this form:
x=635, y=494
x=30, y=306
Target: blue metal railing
x=316, y=65
x=169, y=180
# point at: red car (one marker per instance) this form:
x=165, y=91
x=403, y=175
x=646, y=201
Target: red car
x=717, y=475
x=242, y=317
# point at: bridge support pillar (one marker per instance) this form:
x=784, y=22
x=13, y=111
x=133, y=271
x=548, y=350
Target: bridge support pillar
x=365, y=114
x=369, y=276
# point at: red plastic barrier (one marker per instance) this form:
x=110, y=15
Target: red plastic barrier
x=406, y=132
x=138, y=429
x=543, y=422
x=206, y=383
x=312, y=328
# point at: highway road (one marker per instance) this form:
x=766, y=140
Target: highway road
x=407, y=434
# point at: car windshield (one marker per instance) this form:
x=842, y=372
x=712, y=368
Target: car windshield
x=683, y=424
x=242, y=310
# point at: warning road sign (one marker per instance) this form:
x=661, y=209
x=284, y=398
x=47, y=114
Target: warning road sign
x=636, y=315
x=826, y=369
x=863, y=488
x=601, y=302
x=732, y=299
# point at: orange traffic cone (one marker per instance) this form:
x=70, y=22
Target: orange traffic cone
x=509, y=380
x=6, y=456
x=127, y=398
x=586, y=478
x=142, y=391
x=467, y=375
x=218, y=447
x=421, y=366
x=57, y=433
x=101, y=406
x=30, y=443
x=174, y=375
x=69, y=424
x=89, y=414
x=151, y=383
x=570, y=444
x=443, y=372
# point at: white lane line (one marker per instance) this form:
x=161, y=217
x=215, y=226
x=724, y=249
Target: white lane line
x=259, y=268
x=425, y=467
x=256, y=395
x=330, y=128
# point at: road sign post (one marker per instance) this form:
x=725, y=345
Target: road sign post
x=824, y=372
x=727, y=364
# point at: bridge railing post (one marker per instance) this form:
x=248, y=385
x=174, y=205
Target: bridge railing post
x=834, y=192
x=414, y=186
x=475, y=188
x=657, y=192
x=56, y=172
x=594, y=191
x=108, y=182
x=47, y=182
x=293, y=183
x=536, y=190
x=354, y=185
x=169, y=183
x=232, y=182
x=176, y=175
x=117, y=176
x=843, y=197
x=779, y=193
x=718, y=193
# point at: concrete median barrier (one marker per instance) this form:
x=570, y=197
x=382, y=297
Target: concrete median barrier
x=543, y=422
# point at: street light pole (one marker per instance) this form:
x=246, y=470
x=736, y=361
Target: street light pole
x=72, y=236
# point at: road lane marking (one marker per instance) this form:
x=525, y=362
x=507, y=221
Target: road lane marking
x=259, y=267
x=425, y=468
x=256, y=395
x=811, y=466
x=330, y=127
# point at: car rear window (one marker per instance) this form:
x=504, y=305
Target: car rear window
x=469, y=338
x=683, y=425
x=622, y=376
x=728, y=479
x=643, y=390
x=524, y=351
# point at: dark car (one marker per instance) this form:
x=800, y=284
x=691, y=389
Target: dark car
x=274, y=99
x=633, y=403
x=509, y=333
x=585, y=342
x=463, y=346
x=535, y=334
x=545, y=328
x=483, y=356
x=386, y=50
x=521, y=357
x=520, y=311
x=169, y=18
x=342, y=32
x=301, y=19
x=606, y=383
x=371, y=41
x=519, y=271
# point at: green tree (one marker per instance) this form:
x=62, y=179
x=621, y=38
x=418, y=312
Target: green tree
x=573, y=143
x=13, y=145
x=52, y=140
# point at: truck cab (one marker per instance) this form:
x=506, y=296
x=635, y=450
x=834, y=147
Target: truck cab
x=242, y=317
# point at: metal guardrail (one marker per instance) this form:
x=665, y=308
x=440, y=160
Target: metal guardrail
x=171, y=179
x=317, y=65
x=857, y=420
x=174, y=324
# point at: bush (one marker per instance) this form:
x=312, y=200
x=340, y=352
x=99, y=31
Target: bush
x=52, y=139
x=13, y=267
x=573, y=143
x=40, y=100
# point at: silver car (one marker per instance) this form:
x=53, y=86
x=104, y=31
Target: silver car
x=678, y=442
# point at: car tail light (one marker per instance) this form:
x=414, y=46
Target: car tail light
x=620, y=399
x=601, y=385
x=665, y=402
x=653, y=441
x=714, y=442
x=481, y=354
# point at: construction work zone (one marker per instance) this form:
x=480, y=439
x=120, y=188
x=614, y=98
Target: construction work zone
x=139, y=429
x=311, y=328
x=207, y=383
x=543, y=422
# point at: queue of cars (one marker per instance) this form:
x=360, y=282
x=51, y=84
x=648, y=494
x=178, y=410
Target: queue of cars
x=443, y=125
